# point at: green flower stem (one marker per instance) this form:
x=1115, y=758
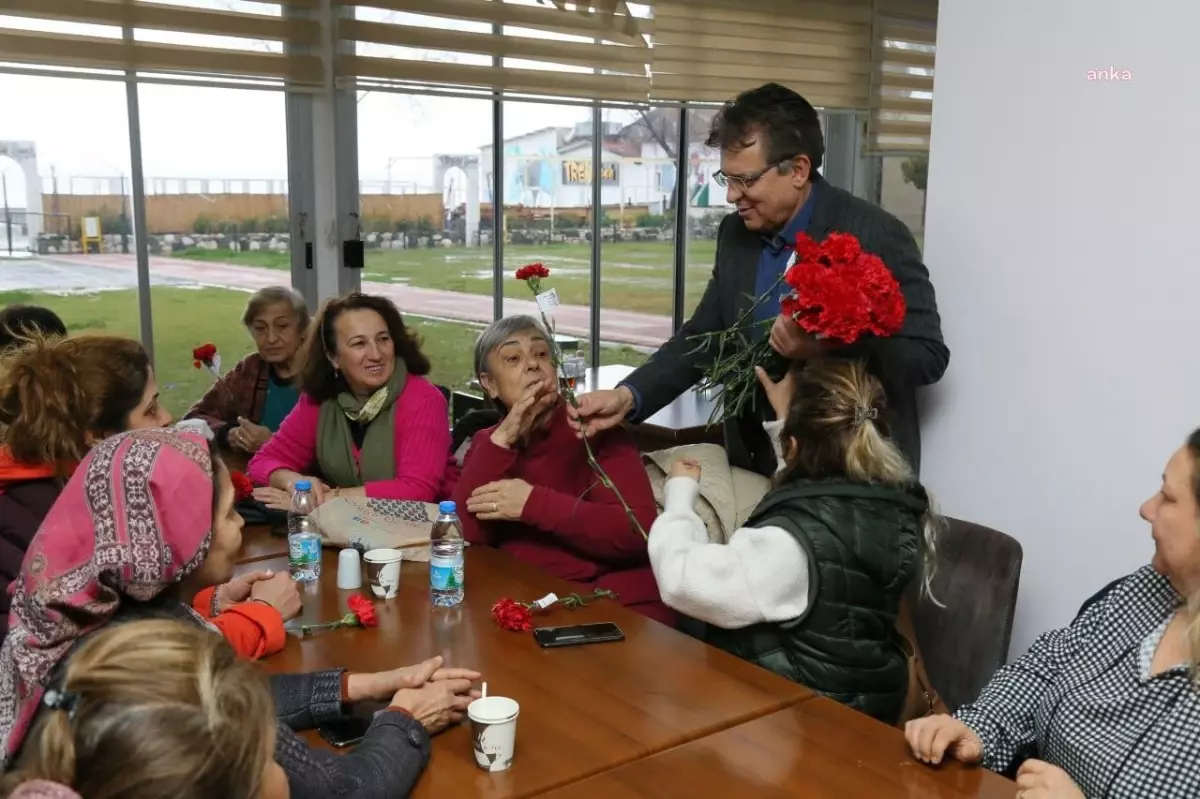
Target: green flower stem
x=738, y=349
x=557, y=359
x=349, y=620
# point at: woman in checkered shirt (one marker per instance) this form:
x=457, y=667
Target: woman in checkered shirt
x=1111, y=703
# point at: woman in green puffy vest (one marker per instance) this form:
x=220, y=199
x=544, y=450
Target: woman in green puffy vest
x=810, y=586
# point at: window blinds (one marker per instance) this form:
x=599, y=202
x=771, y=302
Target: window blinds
x=138, y=36
x=709, y=50
x=589, y=50
x=869, y=55
x=902, y=77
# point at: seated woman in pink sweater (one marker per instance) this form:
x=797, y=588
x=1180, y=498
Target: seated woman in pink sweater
x=368, y=423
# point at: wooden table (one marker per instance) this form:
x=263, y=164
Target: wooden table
x=584, y=709
x=259, y=543
x=817, y=750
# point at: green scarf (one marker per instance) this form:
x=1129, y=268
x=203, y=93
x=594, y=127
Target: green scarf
x=335, y=443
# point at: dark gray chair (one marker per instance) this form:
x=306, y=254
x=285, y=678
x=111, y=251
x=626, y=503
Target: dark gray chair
x=964, y=643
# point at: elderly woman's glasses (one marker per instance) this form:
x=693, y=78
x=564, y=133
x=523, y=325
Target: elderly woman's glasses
x=743, y=182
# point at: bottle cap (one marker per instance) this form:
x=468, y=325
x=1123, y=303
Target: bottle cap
x=446, y=507
x=303, y=485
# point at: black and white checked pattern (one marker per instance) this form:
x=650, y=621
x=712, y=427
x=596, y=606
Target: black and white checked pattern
x=1084, y=696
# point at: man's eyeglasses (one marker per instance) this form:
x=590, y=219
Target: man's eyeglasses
x=743, y=182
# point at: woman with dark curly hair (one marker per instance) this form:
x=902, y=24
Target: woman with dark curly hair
x=368, y=422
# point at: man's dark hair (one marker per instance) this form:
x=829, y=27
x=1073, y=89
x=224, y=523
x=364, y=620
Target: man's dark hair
x=18, y=322
x=786, y=123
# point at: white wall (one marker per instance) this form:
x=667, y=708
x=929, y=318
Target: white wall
x=1059, y=236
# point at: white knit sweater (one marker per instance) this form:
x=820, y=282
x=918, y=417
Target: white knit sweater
x=761, y=575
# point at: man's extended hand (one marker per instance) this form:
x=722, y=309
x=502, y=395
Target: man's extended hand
x=601, y=410
x=790, y=341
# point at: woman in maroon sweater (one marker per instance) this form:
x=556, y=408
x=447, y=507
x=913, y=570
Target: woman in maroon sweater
x=528, y=489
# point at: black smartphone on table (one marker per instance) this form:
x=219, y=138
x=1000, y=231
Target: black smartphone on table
x=601, y=632
x=345, y=732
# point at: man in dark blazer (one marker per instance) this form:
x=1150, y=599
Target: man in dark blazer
x=771, y=147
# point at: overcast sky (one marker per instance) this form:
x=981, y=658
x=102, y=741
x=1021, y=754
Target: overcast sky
x=80, y=127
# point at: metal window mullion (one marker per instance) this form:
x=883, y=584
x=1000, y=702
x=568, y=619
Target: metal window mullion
x=497, y=191
x=679, y=292
x=140, y=239
x=597, y=208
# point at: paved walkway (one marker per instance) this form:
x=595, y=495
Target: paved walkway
x=618, y=327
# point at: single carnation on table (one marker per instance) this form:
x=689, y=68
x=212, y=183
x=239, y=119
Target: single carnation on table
x=361, y=614
x=518, y=616
x=837, y=293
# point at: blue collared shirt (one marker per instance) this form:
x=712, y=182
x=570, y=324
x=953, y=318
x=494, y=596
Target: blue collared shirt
x=773, y=258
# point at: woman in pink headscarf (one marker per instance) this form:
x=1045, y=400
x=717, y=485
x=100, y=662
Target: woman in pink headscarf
x=146, y=522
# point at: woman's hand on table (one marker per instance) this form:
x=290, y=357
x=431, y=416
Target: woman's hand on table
x=503, y=500
x=437, y=704
x=280, y=592
x=281, y=498
x=248, y=436
x=521, y=417
x=382, y=685
x=930, y=738
x=1037, y=779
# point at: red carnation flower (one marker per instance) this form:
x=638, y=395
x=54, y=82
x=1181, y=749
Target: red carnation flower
x=242, y=486
x=364, y=610
x=512, y=615
x=806, y=248
x=840, y=247
x=203, y=354
x=535, y=270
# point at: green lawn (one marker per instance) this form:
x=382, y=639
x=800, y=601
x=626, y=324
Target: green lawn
x=637, y=276
x=185, y=318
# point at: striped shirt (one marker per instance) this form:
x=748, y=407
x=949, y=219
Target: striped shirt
x=1084, y=696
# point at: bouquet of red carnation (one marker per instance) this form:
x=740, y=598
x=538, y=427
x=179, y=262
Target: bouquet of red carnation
x=206, y=357
x=838, y=293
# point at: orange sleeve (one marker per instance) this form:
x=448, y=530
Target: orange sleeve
x=202, y=602
x=254, y=629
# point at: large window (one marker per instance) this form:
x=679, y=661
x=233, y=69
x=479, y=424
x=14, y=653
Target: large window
x=426, y=219
x=707, y=206
x=215, y=162
x=66, y=173
x=638, y=231
x=546, y=201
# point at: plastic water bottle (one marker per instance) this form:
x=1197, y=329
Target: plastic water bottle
x=304, y=540
x=446, y=558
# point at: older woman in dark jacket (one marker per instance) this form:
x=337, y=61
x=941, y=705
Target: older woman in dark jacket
x=148, y=520
x=247, y=404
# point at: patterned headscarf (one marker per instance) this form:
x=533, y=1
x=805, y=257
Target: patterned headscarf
x=134, y=519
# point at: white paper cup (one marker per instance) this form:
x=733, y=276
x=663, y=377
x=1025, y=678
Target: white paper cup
x=494, y=731
x=383, y=571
